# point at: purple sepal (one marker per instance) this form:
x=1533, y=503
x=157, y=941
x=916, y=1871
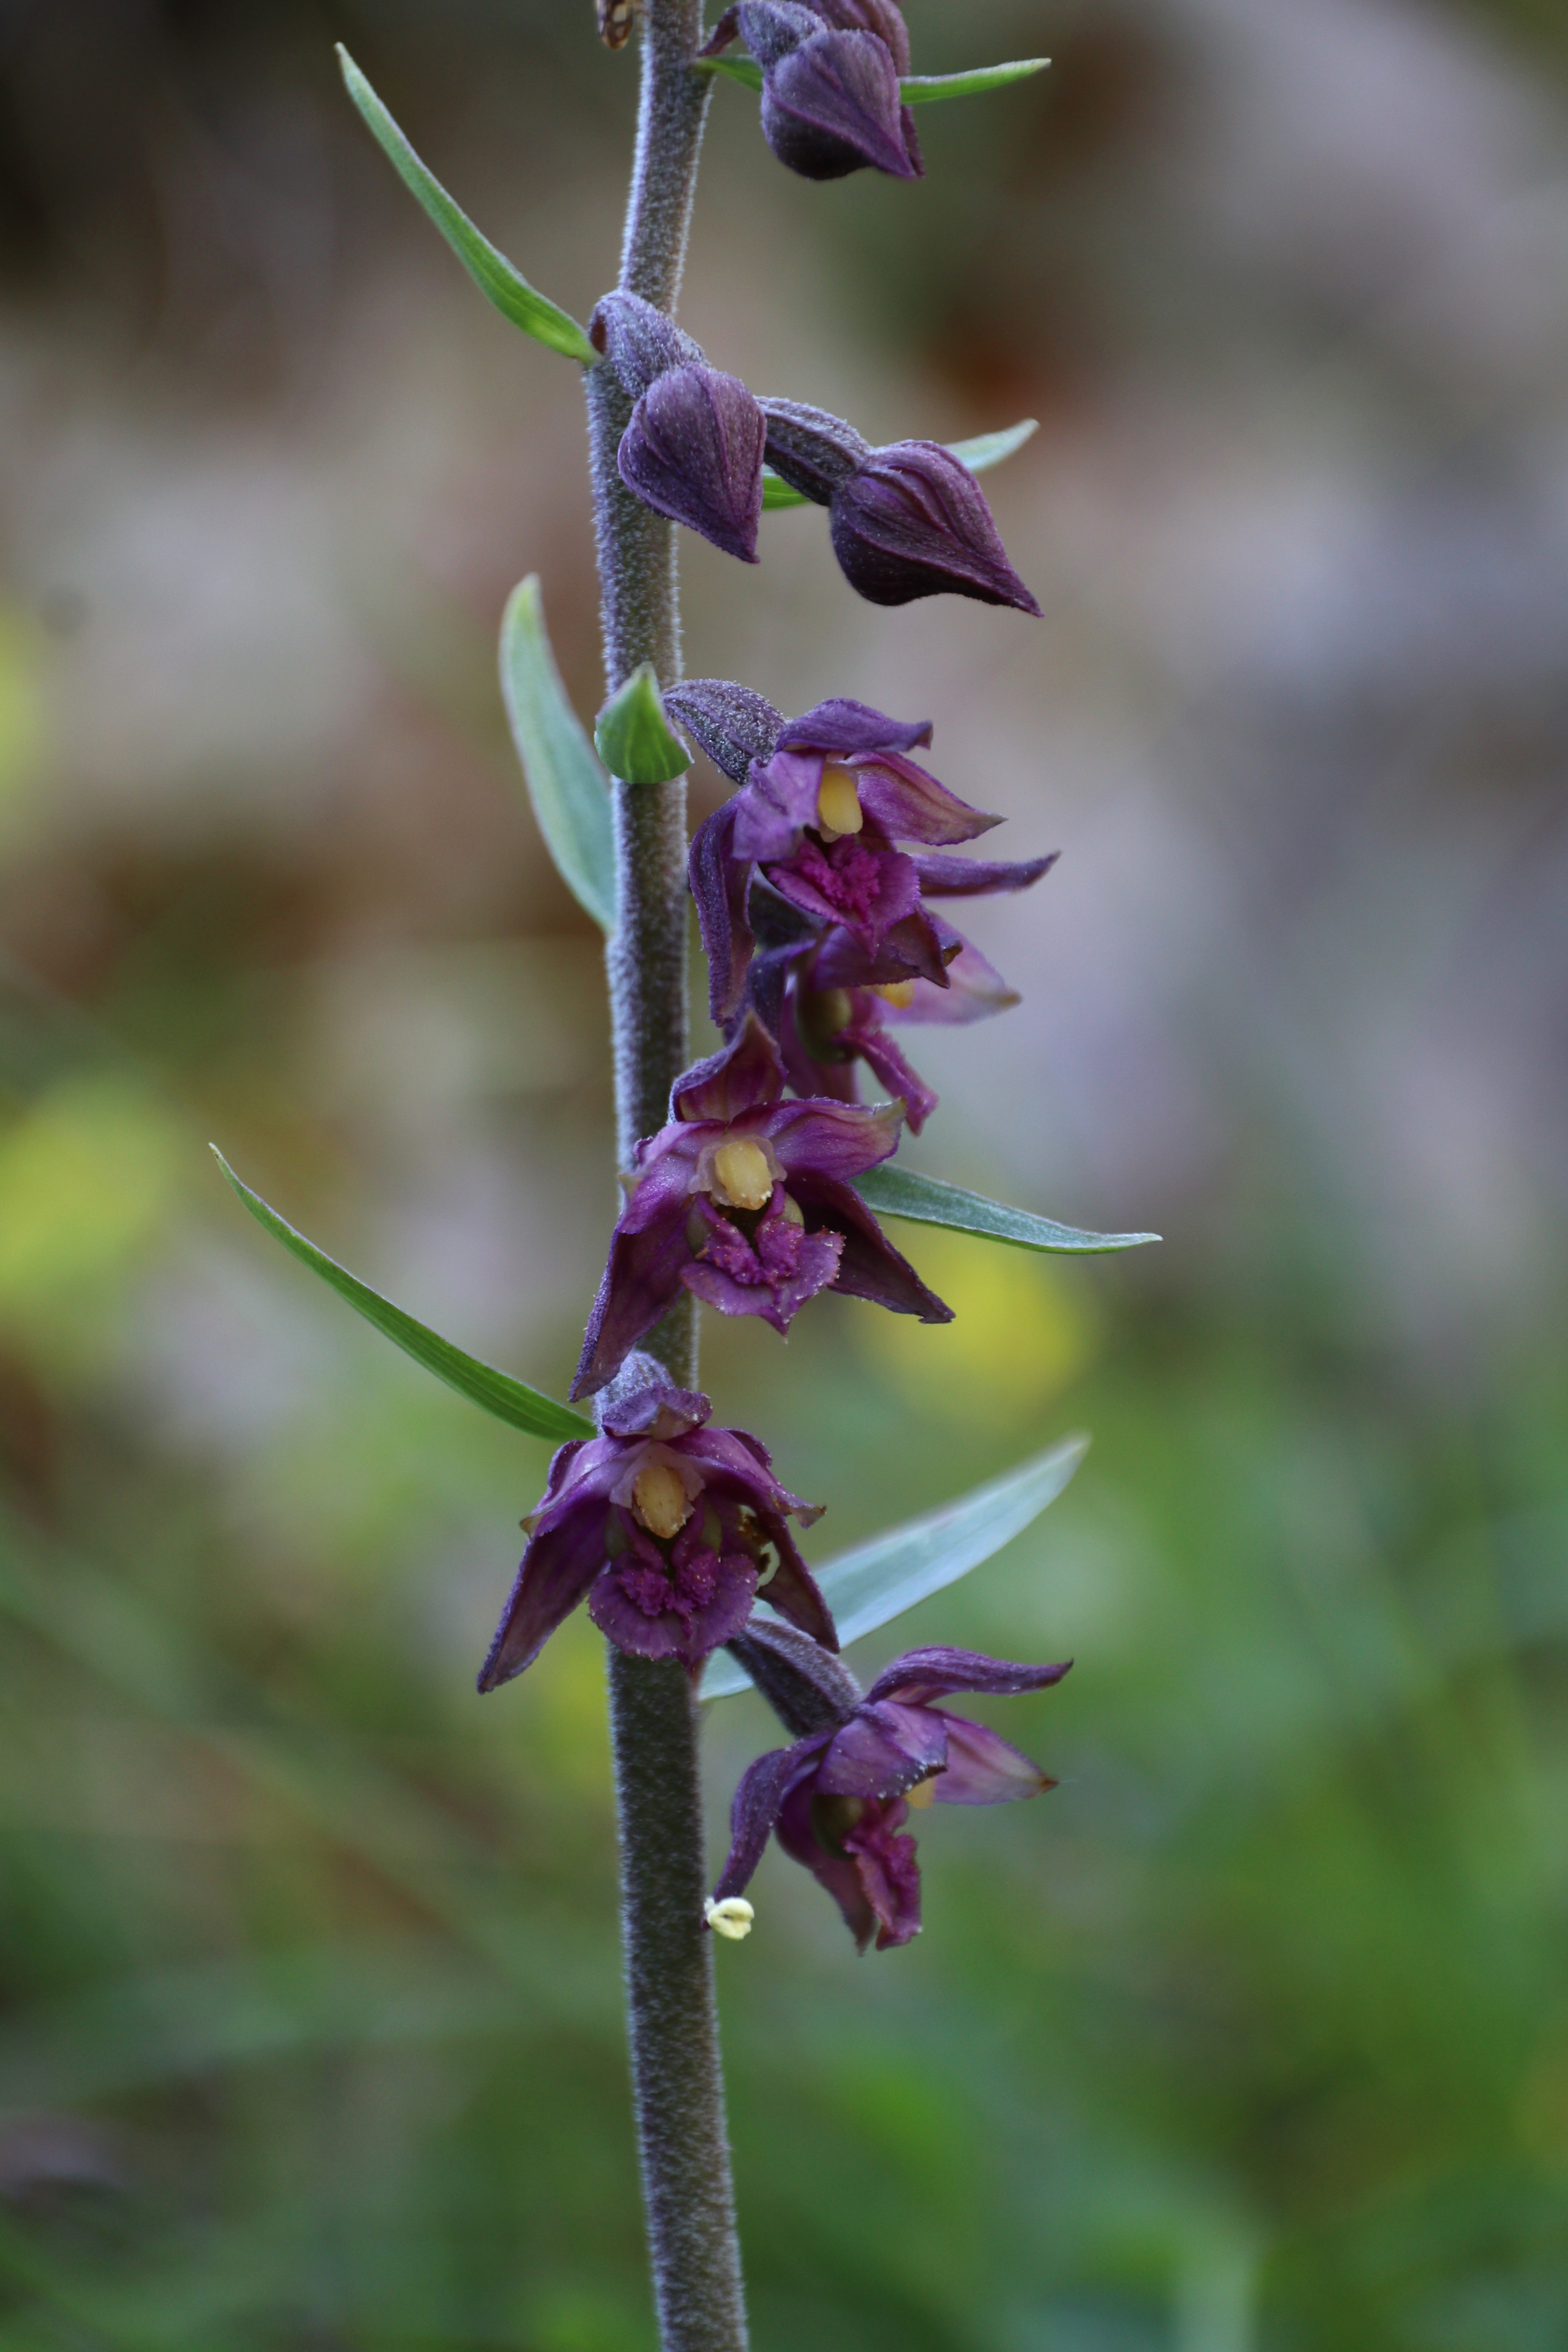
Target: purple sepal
x=693, y=451
x=974, y=877
x=838, y=1797
x=741, y=1075
x=729, y=722
x=720, y=883
x=913, y=521
x=879, y=17
x=843, y=728
x=811, y=450
x=833, y=106
x=661, y=1590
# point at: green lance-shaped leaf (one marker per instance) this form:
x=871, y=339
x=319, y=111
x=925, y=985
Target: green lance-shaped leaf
x=868, y=1587
x=491, y=272
x=509, y=1401
x=986, y=449
x=917, y=90
x=565, y=782
x=899, y=1193
x=632, y=738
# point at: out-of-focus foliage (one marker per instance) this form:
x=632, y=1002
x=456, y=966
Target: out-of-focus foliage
x=1252, y=2036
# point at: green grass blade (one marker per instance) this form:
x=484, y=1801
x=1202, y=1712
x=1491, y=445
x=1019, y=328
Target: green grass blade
x=985, y=449
x=924, y=1201
x=868, y=1587
x=565, y=782
x=491, y=272
x=496, y=1393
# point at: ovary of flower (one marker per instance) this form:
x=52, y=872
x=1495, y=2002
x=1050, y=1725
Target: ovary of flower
x=659, y=1500
x=838, y=809
x=900, y=993
x=732, y=1918
x=742, y=1174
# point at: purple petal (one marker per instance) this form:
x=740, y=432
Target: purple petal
x=558, y=1568
x=745, y=1076
x=923, y=1674
x=974, y=990
x=973, y=877
x=693, y=451
x=641, y=1279
x=719, y=884
x=793, y=1590
x=982, y=1768
x=829, y=1864
x=870, y=1268
x=913, y=521
x=867, y=890
x=842, y=728
x=684, y=1608
x=920, y=948
x=832, y=1142
x=771, y=1275
x=911, y=805
x=763, y=1788
x=882, y=1751
x=891, y=1071
x=740, y=1461
x=778, y=803
x=834, y=106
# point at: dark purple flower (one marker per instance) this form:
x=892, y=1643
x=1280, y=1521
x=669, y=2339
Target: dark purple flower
x=818, y=822
x=831, y=100
x=839, y=1798
x=669, y=1527
x=906, y=521
x=693, y=448
x=746, y=1201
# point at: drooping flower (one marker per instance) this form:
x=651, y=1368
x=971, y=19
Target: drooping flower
x=818, y=820
x=669, y=1527
x=839, y=1797
x=831, y=100
x=906, y=521
x=747, y=1202
x=693, y=448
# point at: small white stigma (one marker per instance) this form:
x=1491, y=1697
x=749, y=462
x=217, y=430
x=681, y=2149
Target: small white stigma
x=732, y=1918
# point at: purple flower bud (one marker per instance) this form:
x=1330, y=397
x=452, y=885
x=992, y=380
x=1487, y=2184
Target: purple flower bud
x=669, y=1528
x=839, y=1798
x=693, y=451
x=912, y=521
x=831, y=100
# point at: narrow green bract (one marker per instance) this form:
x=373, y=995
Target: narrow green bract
x=868, y=1587
x=491, y=272
x=565, y=783
x=925, y=1201
x=632, y=737
x=509, y=1401
x=985, y=450
x=920, y=89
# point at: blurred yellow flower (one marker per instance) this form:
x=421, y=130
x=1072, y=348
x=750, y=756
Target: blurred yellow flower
x=1022, y=1330
x=87, y=1174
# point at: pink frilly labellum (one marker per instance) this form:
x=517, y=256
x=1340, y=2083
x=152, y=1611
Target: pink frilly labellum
x=693, y=449
x=831, y=100
x=838, y=1798
x=747, y=1202
x=820, y=822
x=669, y=1528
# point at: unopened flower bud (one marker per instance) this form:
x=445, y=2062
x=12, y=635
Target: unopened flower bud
x=693, y=451
x=912, y=520
x=831, y=100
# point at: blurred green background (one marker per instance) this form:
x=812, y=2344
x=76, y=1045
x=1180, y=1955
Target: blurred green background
x=1252, y=2034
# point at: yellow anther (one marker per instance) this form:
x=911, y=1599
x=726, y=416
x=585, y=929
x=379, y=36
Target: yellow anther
x=923, y=1793
x=898, y=992
x=732, y=1918
x=838, y=809
x=659, y=1500
x=743, y=1174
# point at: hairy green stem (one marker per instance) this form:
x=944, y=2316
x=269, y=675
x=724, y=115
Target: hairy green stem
x=677, y=2082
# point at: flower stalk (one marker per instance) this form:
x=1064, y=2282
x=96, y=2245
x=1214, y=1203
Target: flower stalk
x=677, y=2083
